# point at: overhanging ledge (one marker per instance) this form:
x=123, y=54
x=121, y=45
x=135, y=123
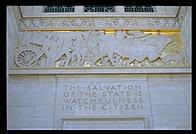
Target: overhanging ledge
x=139, y=70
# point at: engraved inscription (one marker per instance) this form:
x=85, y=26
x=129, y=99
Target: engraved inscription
x=102, y=98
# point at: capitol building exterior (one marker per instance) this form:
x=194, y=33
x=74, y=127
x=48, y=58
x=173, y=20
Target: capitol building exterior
x=99, y=67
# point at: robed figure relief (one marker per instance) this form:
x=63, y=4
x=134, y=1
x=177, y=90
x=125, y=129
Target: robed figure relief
x=97, y=49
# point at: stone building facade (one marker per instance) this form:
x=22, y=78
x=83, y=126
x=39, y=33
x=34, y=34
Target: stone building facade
x=86, y=69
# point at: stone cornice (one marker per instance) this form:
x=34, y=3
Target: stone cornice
x=97, y=23
x=160, y=70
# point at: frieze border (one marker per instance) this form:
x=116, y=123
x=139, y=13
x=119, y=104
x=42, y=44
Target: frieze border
x=135, y=70
x=97, y=23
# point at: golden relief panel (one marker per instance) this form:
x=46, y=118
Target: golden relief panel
x=100, y=48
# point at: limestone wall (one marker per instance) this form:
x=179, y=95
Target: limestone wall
x=33, y=101
x=186, y=35
x=12, y=36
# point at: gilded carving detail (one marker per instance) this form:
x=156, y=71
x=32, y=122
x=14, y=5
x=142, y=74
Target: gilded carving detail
x=99, y=49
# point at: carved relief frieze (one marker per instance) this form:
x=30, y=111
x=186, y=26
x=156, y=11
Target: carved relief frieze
x=98, y=49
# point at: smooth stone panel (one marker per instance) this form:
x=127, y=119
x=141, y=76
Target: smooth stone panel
x=165, y=85
x=17, y=113
x=31, y=124
x=170, y=110
x=22, y=94
x=167, y=97
x=44, y=110
x=168, y=122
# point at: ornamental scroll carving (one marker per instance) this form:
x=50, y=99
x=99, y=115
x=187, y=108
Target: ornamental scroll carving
x=96, y=49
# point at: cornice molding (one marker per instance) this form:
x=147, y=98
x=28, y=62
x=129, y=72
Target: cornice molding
x=98, y=23
x=160, y=70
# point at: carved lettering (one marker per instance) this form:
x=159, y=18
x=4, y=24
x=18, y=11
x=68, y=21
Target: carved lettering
x=104, y=97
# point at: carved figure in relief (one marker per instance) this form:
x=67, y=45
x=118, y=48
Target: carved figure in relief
x=148, y=48
x=49, y=45
x=132, y=47
x=179, y=57
x=108, y=44
x=77, y=48
x=65, y=47
x=29, y=51
x=81, y=46
x=54, y=46
x=101, y=48
x=89, y=44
